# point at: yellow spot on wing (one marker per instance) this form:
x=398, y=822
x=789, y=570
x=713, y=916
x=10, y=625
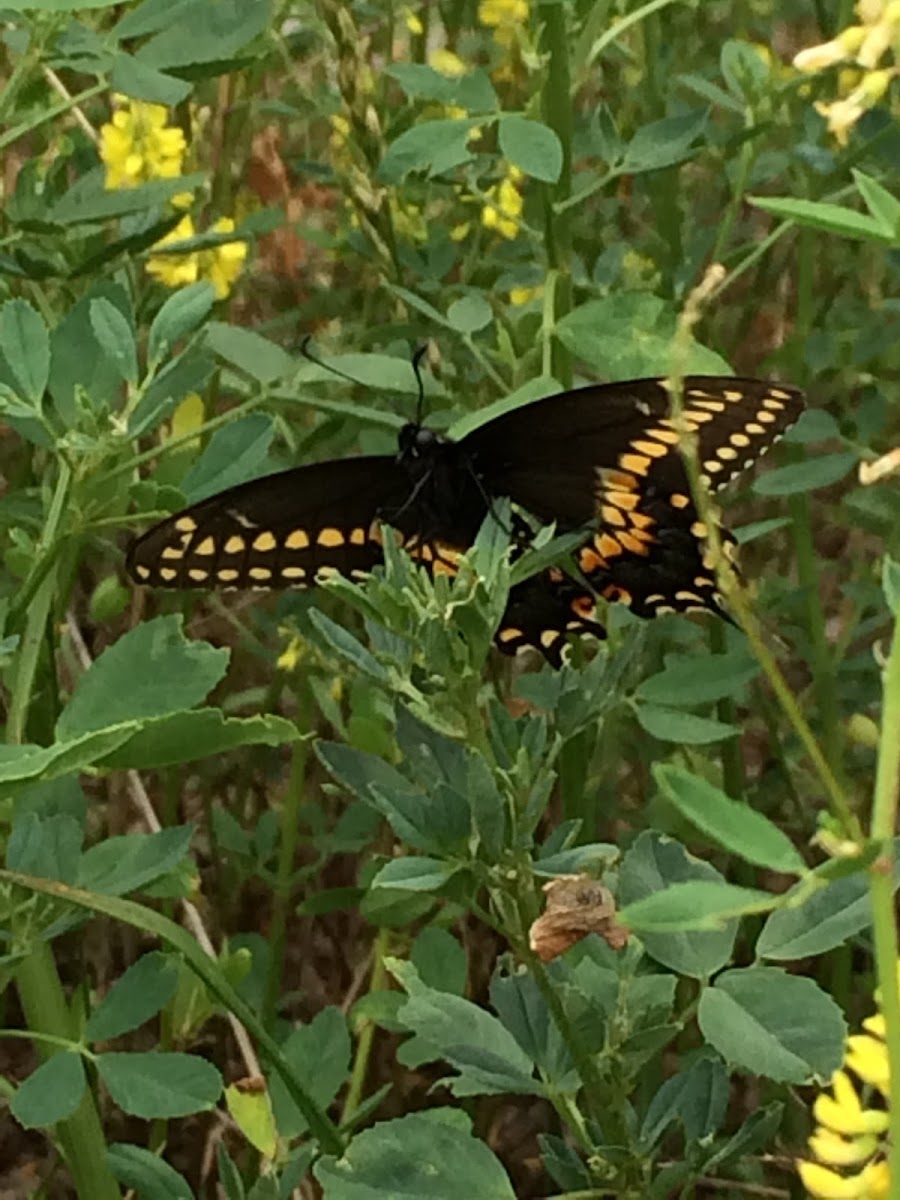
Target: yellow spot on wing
x=549, y=636
x=358, y=536
x=632, y=544
x=509, y=634
x=227, y=574
x=297, y=539
x=617, y=480
x=740, y=440
x=713, y=406
x=589, y=560
x=778, y=394
x=235, y=544
x=636, y=463
x=679, y=500
x=608, y=546
x=612, y=515
x=167, y=573
x=669, y=436
x=624, y=500
x=767, y=417
x=293, y=572
x=330, y=537
x=207, y=546
x=142, y=572
x=734, y=396
x=172, y=552
x=774, y=405
x=264, y=541
x=260, y=573
x=185, y=524
x=651, y=449
x=198, y=574
x=756, y=430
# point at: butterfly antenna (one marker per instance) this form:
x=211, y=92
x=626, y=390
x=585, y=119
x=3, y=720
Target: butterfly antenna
x=320, y=362
x=417, y=357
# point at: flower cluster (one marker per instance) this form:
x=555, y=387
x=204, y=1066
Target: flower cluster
x=504, y=17
x=503, y=209
x=139, y=145
x=848, y=1143
x=864, y=45
x=220, y=265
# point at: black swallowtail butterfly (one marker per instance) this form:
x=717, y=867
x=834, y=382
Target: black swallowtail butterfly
x=603, y=458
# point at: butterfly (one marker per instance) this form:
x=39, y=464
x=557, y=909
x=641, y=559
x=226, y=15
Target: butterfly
x=602, y=459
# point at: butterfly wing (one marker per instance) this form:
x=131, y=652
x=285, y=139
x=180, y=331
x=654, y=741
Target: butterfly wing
x=281, y=531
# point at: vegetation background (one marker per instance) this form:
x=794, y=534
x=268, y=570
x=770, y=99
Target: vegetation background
x=272, y=864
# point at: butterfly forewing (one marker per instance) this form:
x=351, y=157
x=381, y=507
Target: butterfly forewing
x=282, y=531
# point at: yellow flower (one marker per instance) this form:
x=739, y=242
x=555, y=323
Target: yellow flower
x=459, y=233
x=219, y=266
x=504, y=206
x=842, y=115
x=137, y=145
x=845, y=45
x=187, y=417
x=289, y=658
x=524, y=295
x=504, y=17
x=413, y=22
x=175, y=270
x=446, y=63
x=848, y=1142
x=223, y=264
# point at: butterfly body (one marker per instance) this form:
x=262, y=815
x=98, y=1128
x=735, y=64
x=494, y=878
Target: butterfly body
x=604, y=460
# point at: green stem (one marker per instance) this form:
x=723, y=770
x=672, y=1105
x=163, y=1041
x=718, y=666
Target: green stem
x=38, y=614
x=617, y=28
x=881, y=888
x=377, y=982
x=559, y=114
x=81, y=1135
x=732, y=754
x=287, y=853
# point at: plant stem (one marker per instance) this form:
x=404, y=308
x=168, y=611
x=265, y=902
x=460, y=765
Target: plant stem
x=881, y=888
x=559, y=114
x=367, y=1032
x=81, y=1135
x=287, y=852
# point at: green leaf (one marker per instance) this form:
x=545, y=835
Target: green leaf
x=830, y=917
x=51, y=1093
x=532, y=147
x=818, y=472
x=473, y=1041
x=664, y=143
x=770, y=1023
x=148, y=1174
x=145, y=988
x=132, y=78
x=696, y=1096
x=743, y=70
x=672, y=725
x=415, y=873
x=46, y=845
x=627, y=336
x=197, y=31
x=320, y=1054
x=78, y=366
x=697, y=904
x=160, y=1085
x=25, y=349
x=429, y=1156
x=883, y=206
x=736, y=827
x=179, y=316
x=472, y=91
x=234, y=454
x=831, y=218
x=653, y=864
x=251, y=1111
x=754, y=1135
x=188, y=736
x=115, y=337
x=89, y=201
x=132, y=860
x=757, y=529
x=150, y=671
x=249, y=352
x=432, y=146
x=18, y=764
x=890, y=584
x=348, y=647
x=688, y=680
x=470, y=313
x=436, y=821
x=440, y=960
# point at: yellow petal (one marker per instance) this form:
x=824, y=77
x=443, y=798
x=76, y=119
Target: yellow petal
x=828, y=1185
x=867, y=1057
x=839, y=1151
